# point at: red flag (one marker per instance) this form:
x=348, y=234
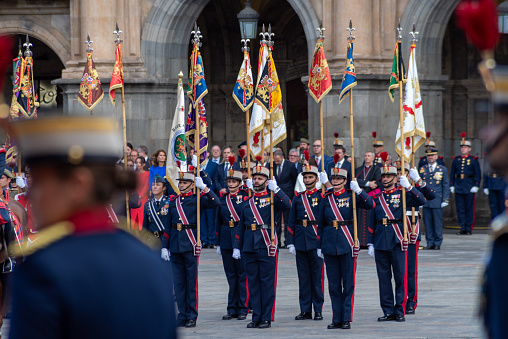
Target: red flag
x=117, y=76
x=320, y=82
x=90, y=90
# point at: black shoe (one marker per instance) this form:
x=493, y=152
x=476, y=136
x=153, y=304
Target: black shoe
x=211, y=246
x=462, y=232
x=190, y=323
x=181, y=323
x=437, y=247
x=468, y=233
x=387, y=317
x=334, y=325
x=432, y=247
x=304, y=315
x=265, y=324
x=346, y=325
x=242, y=316
x=318, y=316
x=229, y=316
x=400, y=318
x=410, y=310
x=253, y=324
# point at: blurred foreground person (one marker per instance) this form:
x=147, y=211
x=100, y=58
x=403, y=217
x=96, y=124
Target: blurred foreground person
x=84, y=278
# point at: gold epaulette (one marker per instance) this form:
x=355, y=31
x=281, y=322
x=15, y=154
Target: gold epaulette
x=45, y=237
x=499, y=226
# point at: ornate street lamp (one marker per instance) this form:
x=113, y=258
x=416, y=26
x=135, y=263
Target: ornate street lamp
x=248, y=18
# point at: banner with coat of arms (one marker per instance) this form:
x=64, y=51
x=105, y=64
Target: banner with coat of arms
x=349, y=78
x=26, y=103
x=243, y=93
x=117, y=76
x=90, y=90
x=176, y=145
x=320, y=82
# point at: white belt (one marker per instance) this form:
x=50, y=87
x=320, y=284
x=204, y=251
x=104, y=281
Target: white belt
x=410, y=213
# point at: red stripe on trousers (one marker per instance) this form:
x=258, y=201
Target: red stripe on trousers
x=247, y=299
x=275, y=285
x=404, y=302
x=415, y=298
x=354, y=286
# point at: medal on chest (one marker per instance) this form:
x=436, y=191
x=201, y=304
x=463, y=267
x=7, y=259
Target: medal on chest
x=239, y=199
x=314, y=202
x=394, y=200
x=344, y=202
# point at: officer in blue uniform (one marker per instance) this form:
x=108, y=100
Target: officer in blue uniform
x=414, y=239
x=84, y=278
x=255, y=242
x=336, y=242
x=494, y=186
x=465, y=177
x=302, y=241
x=183, y=243
x=156, y=219
x=436, y=177
x=386, y=241
x=228, y=217
x=378, y=146
x=423, y=160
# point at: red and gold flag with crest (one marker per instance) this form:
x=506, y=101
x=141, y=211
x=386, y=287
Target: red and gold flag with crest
x=117, y=76
x=90, y=90
x=320, y=82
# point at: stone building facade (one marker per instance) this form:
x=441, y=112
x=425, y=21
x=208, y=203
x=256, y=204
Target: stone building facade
x=156, y=48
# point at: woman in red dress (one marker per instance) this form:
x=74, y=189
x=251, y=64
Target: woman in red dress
x=143, y=191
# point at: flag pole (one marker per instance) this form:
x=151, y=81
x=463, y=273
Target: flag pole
x=272, y=212
x=355, y=221
x=89, y=50
x=413, y=210
x=322, y=144
x=401, y=123
x=118, y=42
x=246, y=48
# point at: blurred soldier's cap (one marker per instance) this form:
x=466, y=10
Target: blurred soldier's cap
x=431, y=151
x=8, y=174
x=305, y=140
x=260, y=170
x=160, y=179
x=338, y=172
x=431, y=143
x=310, y=169
x=388, y=170
x=234, y=174
x=71, y=139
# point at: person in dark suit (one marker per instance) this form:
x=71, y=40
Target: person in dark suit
x=54, y=286
x=285, y=173
x=494, y=186
x=209, y=214
x=293, y=157
x=222, y=170
x=319, y=155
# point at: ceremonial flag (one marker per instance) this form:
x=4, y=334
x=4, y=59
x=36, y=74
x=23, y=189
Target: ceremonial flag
x=26, y=101
x=90, y=91
x=320, y=82
x=268, y=93
x=176, y=145
x=243, y=93
x=16, y=72
x=258, y=115
x=414, y=125
x=398, y=71
x=117, y=76
x=349, y=78
x=197, y=84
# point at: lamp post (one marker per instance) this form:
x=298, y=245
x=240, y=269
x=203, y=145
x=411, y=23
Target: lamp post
x=248, y=18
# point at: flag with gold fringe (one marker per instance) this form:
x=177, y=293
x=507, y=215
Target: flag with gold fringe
x=117, y=76
x=320, y=82
x=398, y=71
x=16, y=77
x=349, y=78
x=26, y=99
x=243, y=93
x=90, y=90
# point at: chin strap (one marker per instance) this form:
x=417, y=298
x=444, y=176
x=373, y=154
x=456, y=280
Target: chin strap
x=233, y=187
x=338, y=183
x=311, y=184
x=389, y=183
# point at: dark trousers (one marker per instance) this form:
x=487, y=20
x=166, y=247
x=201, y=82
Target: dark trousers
x=185, y=278
x=340, y=270
x=310, y=280
x=412, y=274
x=278, y=220
x=433, y=219
x=262, y=276
x=496, y=202
x=465, y=210
x=386, y=261
x=208, y=226
x=237, y=281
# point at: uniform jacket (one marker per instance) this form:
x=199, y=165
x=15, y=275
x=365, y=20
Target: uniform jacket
x=493, y=181
x=438, y=183
x=252, y=241
x=429, y=195
x=303, y=237
x=423, y=161
x=469, y=167
x=178, y=240
x=383, y=237
x=225, y=226
x=333, y=241
x=162, y=212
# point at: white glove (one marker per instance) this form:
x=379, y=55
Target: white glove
x=194, y=161
x=371, y=250
x=444, y=204
x=292, y=249
x=323, y=177
x=413, y=174
x=236, y=253
x=486, y=191
x=248, y=182
x=452, y=189
x=21, y=182
x=474, y=189
x=320, y=253
x=199, y=183
x=218, y=250
x=165, y=254
x=355, y=187
x=272, y=185
x=404, y=182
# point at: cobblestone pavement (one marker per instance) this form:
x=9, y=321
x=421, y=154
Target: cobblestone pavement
x=447, y=304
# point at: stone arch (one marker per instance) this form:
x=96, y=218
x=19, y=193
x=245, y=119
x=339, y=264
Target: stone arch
x=166, y=34
x=39, y=29
x=431, y=18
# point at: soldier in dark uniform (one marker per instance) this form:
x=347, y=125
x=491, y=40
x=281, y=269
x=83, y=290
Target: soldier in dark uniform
x=156, y=218
x=386, y=242
x=255, y=242
x=378, y=146
x=494, y=186
x=228, y=217
x=436, y=177
x=84, y=277
x=368, y=177
x=465, y=177
x=183, y=244
x=336, y=243
x=430, y=145
x=302, y=241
